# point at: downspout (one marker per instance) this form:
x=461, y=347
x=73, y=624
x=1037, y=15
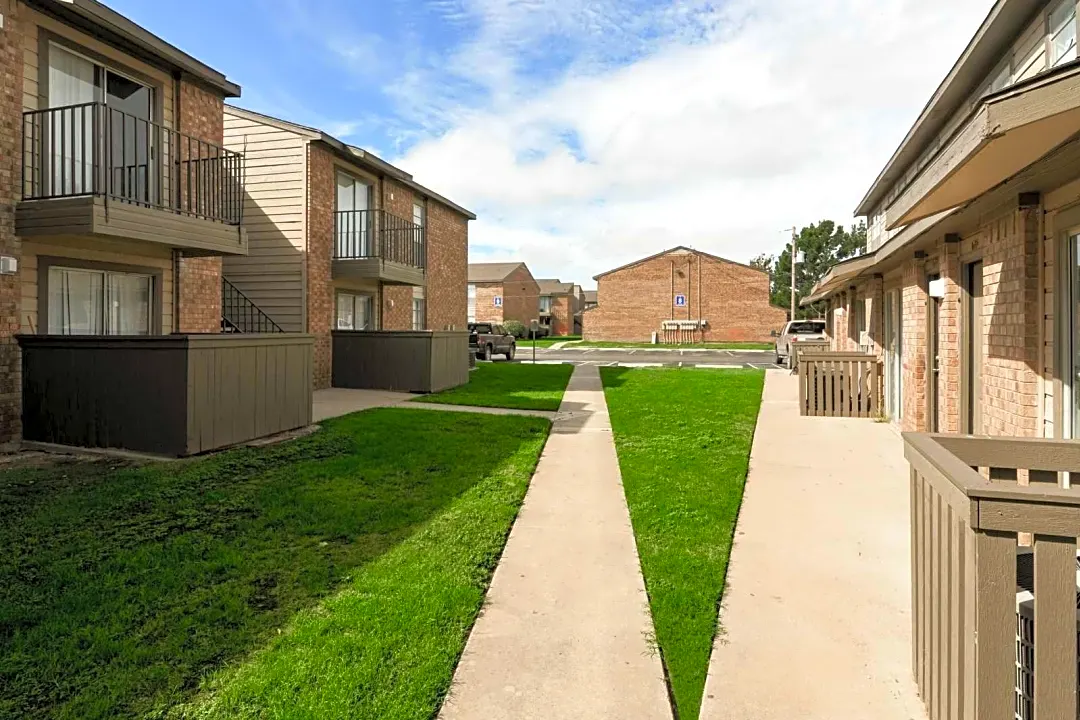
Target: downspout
x=671, y=315
x=699, y=318
x=377, y=239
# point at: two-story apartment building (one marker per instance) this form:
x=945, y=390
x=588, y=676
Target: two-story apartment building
x=341, y=240
x=501, y=292
x=118, y=201
x=970, y=287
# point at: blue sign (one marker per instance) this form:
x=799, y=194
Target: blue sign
x=680, y=301
x=498, y=301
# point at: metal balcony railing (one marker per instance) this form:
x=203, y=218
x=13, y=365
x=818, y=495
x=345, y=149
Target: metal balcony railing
x=360, y=234
x=93, y=149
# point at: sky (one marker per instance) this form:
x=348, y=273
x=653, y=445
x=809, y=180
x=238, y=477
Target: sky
x=585, y=134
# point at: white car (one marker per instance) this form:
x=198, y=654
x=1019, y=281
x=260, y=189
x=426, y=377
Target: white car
x=797, y=331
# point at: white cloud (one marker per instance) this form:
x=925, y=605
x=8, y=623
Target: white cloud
x=727, y=123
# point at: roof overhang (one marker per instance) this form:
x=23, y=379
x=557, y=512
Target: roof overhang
x=119, y=30
x=1007, y=133
x=1006, y=19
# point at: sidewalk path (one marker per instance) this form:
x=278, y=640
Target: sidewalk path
x=816, y=620
x=565, y=632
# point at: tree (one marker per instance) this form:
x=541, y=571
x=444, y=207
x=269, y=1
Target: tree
x=823, y=245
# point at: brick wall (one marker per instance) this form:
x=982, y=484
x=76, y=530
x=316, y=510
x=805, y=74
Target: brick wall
x=322, y=196
x=201, y=116
x=562, y=317
x=11, y=80
x=485, y=302
x=914, y=352
x=397, y=307
x=448, y=268
x=733, y=298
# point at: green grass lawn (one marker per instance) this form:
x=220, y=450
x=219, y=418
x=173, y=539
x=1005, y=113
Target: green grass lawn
x=698, y=346
x=526, y=344
x=333, y=576
x=509, y=385
x=683, y=438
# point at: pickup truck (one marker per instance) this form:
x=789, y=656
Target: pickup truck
x=797, y=331
x=490, y=339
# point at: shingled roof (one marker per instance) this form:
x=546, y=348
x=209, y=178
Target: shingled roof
x=554, y=287
x=492, y=272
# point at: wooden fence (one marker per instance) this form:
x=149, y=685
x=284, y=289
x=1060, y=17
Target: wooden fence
x=805, y=348
x=405, y=361
x=169, y=395
x=994, y=624
x=840, y=385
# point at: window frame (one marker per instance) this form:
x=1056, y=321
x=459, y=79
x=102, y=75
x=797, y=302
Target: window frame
x=419, y=309
x=1051, y=62
x=48, y=262
x=373, y=323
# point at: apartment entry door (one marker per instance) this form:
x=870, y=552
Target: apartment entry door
x=933, y=361
x=972, y=350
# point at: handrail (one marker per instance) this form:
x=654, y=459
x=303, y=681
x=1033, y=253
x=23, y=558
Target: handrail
x=242, y=314
x=994, y=576
x=91, y=149
x=361, y=234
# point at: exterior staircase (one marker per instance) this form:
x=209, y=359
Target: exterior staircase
x=240, y=315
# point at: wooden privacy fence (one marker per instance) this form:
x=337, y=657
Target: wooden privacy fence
x=994, y=625
x=839, y=385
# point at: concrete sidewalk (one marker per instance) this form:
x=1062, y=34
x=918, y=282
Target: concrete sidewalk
x=816, y=620
x=565, y=632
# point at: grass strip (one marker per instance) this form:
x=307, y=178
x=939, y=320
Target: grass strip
x=509, y=385
x=683, y=438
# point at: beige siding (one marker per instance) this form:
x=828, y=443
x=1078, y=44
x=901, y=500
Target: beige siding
x=120, y=252
x=1029, y=51
x=76, y=40
x=272, y=273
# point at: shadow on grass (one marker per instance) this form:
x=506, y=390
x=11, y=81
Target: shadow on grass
x=121, y=587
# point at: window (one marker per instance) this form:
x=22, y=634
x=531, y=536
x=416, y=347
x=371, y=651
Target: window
x=1063, y=33
x=472, y=303
x=419, y=218
x=419, y=309
x=99, y=302
x=1002, y=78
x=352, y=219
x=74, y=81
x=354, y=312
x=545, y=303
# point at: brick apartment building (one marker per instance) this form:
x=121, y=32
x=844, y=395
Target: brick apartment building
x=968, y=290
x=683, y=296
x=70, y=73
x=500, y=292
x=341, y=240
x=558, y=306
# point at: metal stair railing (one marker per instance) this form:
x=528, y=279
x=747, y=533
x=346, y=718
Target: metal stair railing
x=240, y=315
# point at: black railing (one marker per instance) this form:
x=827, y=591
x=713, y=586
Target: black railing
x=93, y=149
x=362, y=234
x=240, y=315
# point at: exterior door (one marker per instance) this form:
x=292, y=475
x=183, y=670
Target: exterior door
x=972, y=353
x=889, y=318
x=1072, y=410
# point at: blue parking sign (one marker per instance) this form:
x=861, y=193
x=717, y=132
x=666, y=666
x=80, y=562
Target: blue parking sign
x=498, y=301
x=680, y=301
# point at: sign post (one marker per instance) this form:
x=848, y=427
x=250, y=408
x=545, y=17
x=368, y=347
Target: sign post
x=534, y=328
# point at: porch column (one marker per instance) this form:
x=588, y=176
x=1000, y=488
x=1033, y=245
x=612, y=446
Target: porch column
x=949, y=337
x=915, y=297
x=875, y=318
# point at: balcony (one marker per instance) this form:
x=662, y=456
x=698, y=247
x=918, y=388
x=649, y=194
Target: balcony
x=376, y=245
x=92, y=171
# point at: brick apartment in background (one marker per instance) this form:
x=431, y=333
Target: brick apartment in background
x=682, y=296
x=970, y=288
x=341, y=240
x=118, y=202
x=500, y=292
x=558, y=306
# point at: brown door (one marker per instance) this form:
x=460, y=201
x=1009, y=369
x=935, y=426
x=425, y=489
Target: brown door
x=933, y=362
x=972, y=351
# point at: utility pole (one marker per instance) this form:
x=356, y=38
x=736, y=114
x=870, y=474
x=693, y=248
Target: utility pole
x=794, y=256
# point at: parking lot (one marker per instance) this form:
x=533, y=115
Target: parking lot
x=649, y=357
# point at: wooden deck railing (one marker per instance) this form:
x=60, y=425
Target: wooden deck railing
x=994, y=639
x=805, y=348
x=839, y=385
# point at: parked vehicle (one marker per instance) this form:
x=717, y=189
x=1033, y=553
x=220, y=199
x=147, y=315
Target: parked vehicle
x=797, y=331
x=490, y=340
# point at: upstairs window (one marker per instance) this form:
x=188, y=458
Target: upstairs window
x=1063, y=33
x=545, y=303
x=472, y=303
